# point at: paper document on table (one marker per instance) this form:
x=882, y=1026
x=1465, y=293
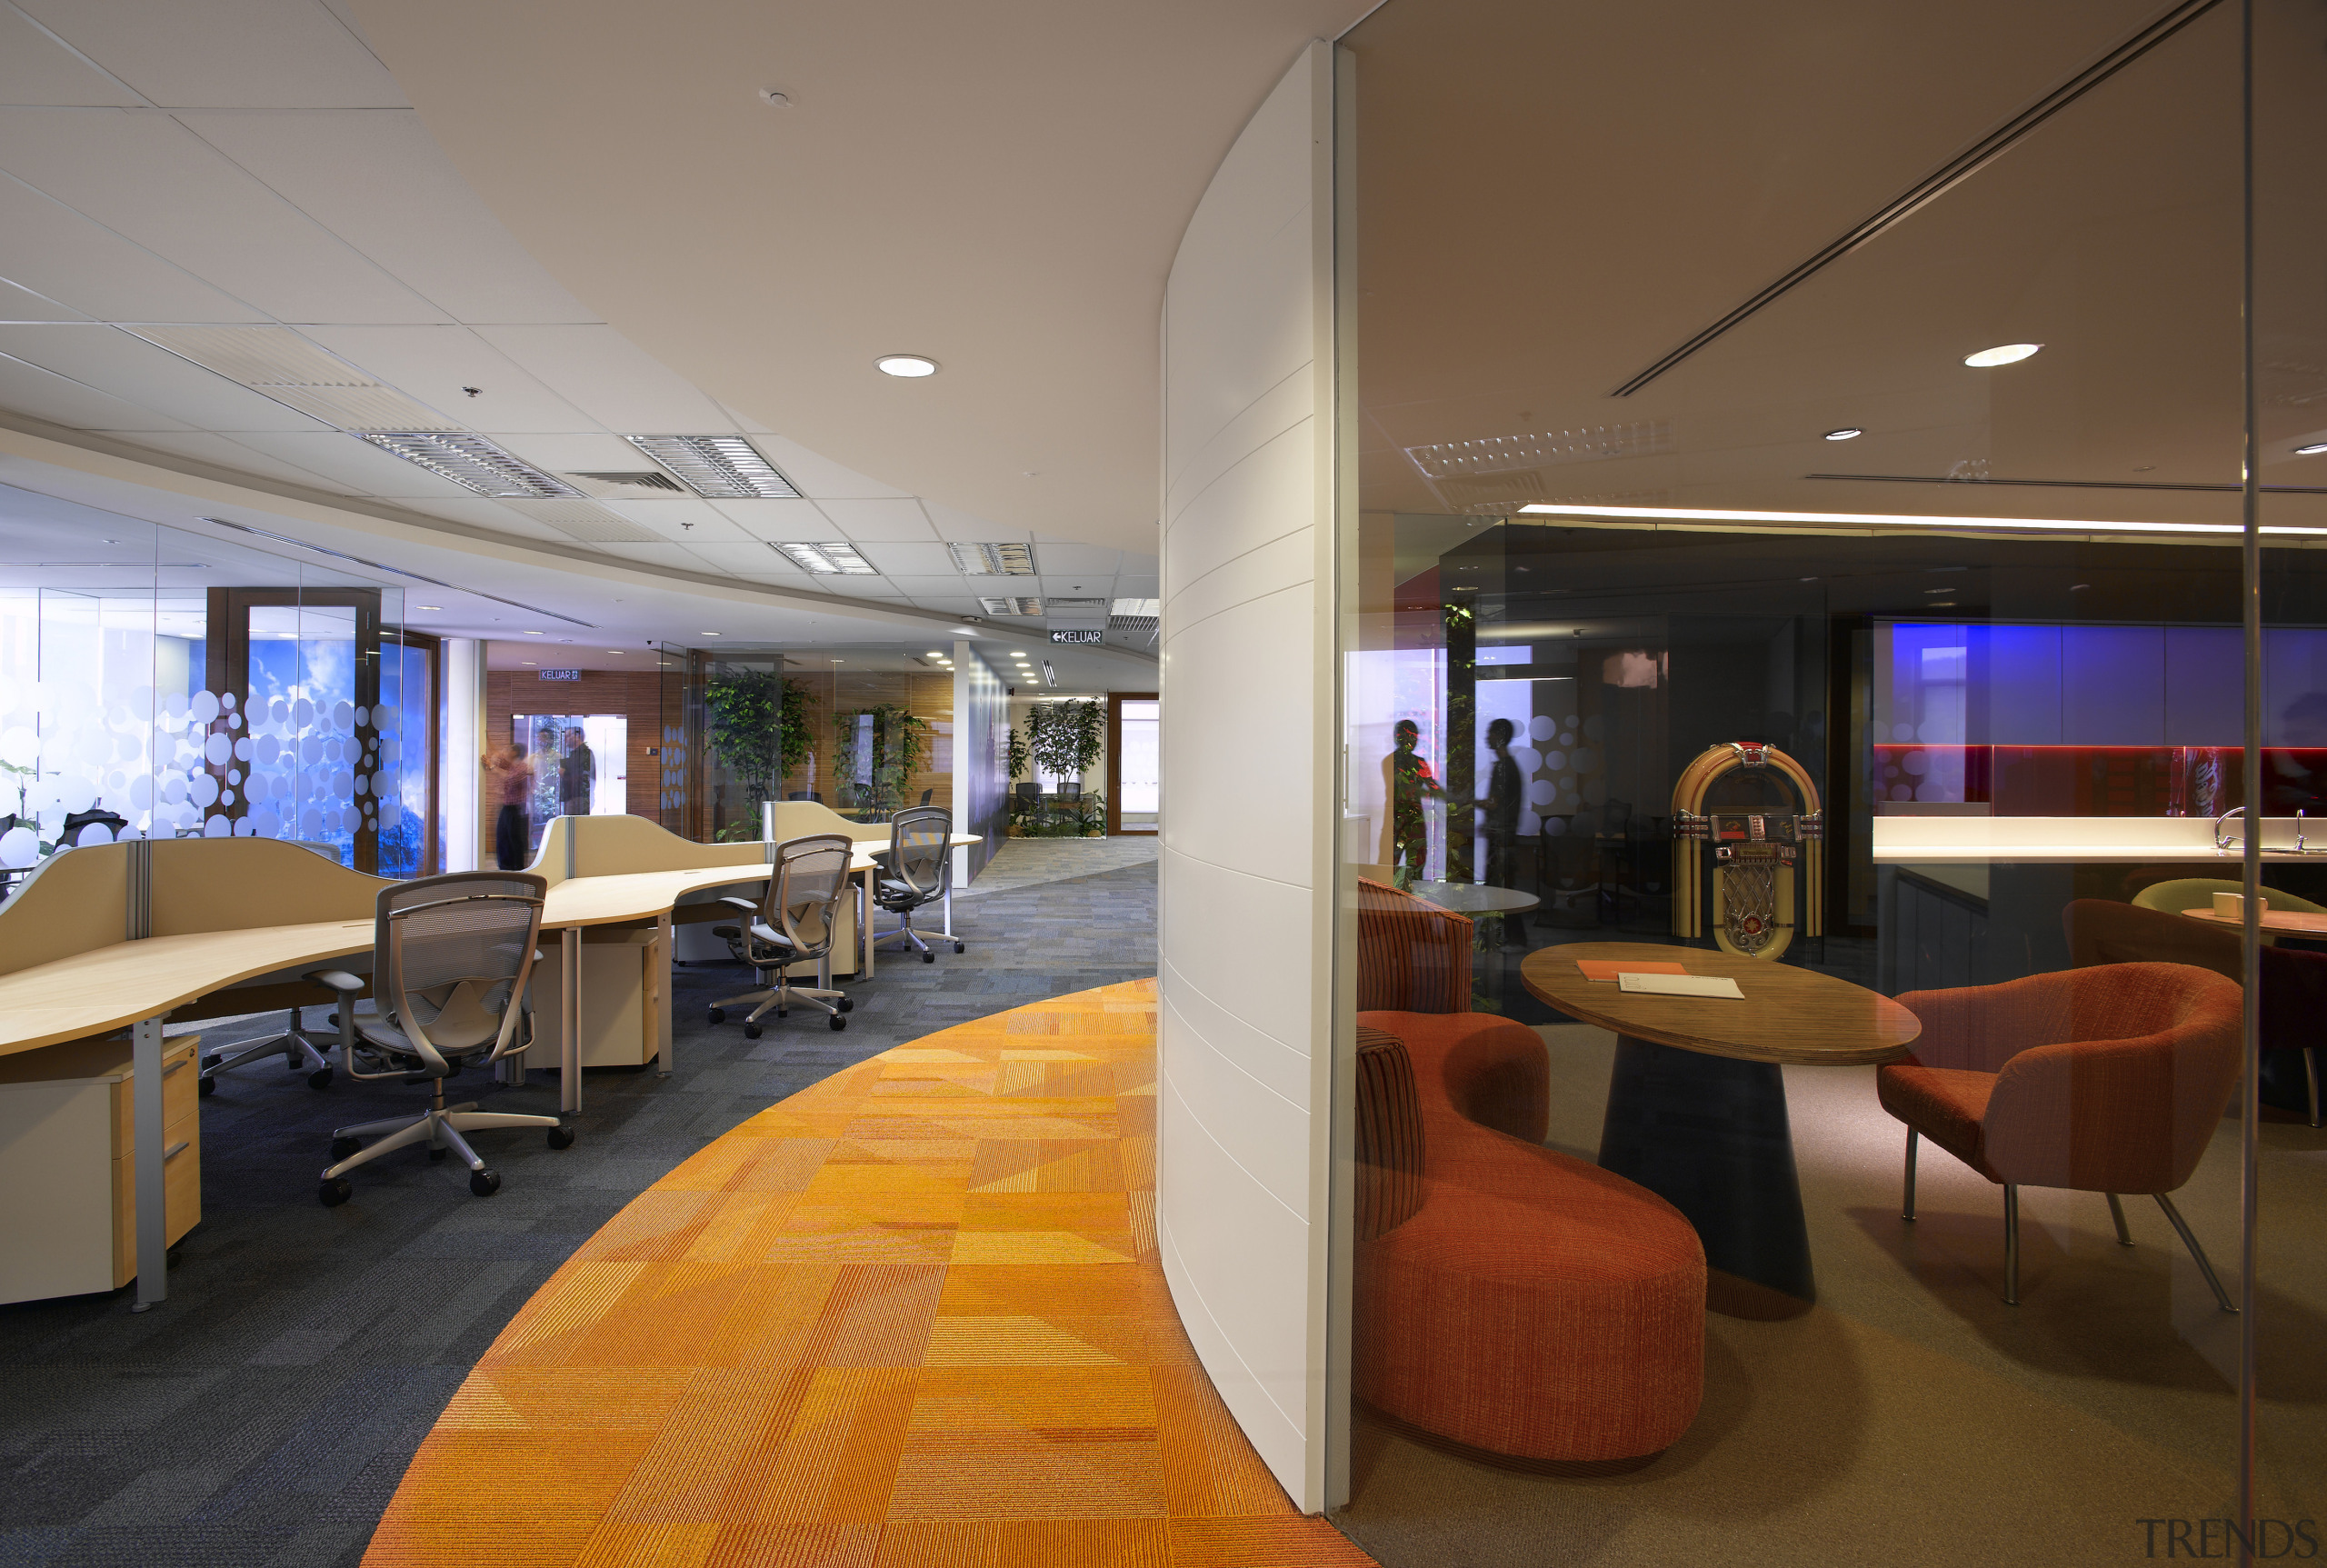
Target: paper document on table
x=1680, y=984
x=1609, y=968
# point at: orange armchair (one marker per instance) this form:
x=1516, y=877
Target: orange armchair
x=2110, y=1080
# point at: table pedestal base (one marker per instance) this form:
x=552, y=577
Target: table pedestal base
x=1709, y=1135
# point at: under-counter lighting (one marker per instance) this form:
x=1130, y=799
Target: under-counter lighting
x=1854, y=520
x=2003, y=354
x=2310, y=450
x=1847, y=432
x=909, y=366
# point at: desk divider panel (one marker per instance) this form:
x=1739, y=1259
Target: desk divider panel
x=77, y=901
x=243, y=883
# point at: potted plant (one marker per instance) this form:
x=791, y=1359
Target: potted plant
x=1020, y=813
x=896, y=737
x=756, y=725
x=1065, y=740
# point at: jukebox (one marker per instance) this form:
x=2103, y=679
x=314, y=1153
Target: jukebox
x=1757, y=810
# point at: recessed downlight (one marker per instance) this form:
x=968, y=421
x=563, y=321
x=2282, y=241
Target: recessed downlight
x=2003, y=354
x=1846, y=432
x=537, y=634
x=2312, y=449
x=909, y=366
x=712, y=634
x=438, y=607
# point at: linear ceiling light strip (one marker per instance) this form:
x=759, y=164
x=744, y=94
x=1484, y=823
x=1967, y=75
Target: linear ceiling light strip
x=833, y=558
x=1855, y=520
x=718, y=467
x=2072, y=484
x=1004, y=560
x=398, y=572
x=1956, y=170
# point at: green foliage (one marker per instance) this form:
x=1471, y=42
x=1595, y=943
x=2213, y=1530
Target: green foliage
x=1066, y=738
x=1016, y=755
x=744, y=713
x=897, y=738
x=1053, y=816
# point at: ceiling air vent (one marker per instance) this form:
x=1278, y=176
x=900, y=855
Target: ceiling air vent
x=276, y=362
x=995, y=607
x=993, y=560
x=586, y=521
x=718, y=467
x=469, y=461
x=645, y=487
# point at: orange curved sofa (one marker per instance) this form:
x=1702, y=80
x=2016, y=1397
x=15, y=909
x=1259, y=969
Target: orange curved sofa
x=1532, y=1306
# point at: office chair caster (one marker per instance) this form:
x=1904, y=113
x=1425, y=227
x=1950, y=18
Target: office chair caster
x=319, y=1079
x=848, y=1004
x=342, y=1147
x=335, y=1192
x=719, y=1016
x=839, y=1022
x=929, y=958
x=436, y=1156
x=209, y=1087
x=484, y=1183
x=961, y=947
x=752, y=1031
x=561, y=1137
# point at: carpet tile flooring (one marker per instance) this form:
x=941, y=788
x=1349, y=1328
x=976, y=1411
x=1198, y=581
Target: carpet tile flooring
x=264, y=1415
x=911, y=1315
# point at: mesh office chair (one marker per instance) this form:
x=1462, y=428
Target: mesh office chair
x=451, y=959
x=916, y=869
x=298, y=1052
x=794, y=921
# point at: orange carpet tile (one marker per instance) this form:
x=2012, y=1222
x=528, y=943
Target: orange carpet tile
x=909, y=1318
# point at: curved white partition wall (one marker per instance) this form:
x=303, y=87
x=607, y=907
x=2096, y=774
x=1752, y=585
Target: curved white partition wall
x=1248, y=776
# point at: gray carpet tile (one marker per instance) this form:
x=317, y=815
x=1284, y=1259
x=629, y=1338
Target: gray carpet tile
x=264, y=1414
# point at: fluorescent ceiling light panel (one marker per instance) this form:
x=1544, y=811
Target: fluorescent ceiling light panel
x=1138, y=609
x=718, y=467
x=833, y=558
x=1888, y=520
x=469, y=461
x=999, y=606
x=650, y=484
x=1507, y=454
x=993, y=560
x=276, y=362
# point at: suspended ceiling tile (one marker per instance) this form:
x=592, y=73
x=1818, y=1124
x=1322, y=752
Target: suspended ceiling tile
x=437, y=365
x=1079, y=585
x=152, y=181
x=953, y=523
x=34, y=68
x=45, y=394
x=911, y=559
x=874, y=520
x=921, y=585
x=608, y=377
x=478, y=512
x=818, y=476
x=226, y=54
x=950, y=604
x=744, y=422
x=381, y=183
x=356, y=462
x=225, y=452
x=681, y=518
x=47, y=246
x=748, y=558
x=798, y=521
x=676, y=557
x=572, y=452
x=1055, y=556
x=20, y=303
x=110, y=360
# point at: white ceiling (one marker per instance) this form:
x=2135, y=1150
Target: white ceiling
x=251, y=161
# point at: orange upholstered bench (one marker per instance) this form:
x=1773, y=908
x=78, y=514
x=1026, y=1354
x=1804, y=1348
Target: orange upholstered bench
x=1516, y=1300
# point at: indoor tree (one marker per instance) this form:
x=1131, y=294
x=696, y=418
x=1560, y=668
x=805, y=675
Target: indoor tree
x=756, y=725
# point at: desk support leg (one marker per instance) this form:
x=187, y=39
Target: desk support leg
x=153, y=1189
x=660, y=999
x=949, y=909
x=865, y=950
x=569, y=1021
x=1709, y=1136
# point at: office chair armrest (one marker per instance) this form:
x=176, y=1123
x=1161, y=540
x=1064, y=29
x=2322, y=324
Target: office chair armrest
x=339, y=980
x=748, y=905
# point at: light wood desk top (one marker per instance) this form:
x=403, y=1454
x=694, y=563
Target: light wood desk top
x=1474, y=897
x=1791, y=1015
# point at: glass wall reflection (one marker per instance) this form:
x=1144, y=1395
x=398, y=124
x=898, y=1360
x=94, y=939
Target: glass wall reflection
x=1795, y=711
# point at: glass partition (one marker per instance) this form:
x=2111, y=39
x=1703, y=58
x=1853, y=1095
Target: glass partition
x=154, y=681
x=1795, y=685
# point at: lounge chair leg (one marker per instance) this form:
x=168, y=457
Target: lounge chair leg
x=2011, y=1244
x=1908, y=1213
x=2117, y=1212
x=2311, y=1079
x=2197, y=1252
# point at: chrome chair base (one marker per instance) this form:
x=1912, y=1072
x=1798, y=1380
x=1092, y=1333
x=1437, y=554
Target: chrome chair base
x=299, y=1054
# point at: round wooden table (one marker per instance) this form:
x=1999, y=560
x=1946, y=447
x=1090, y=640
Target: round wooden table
x=1696, y=1106
x=1474, y=898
